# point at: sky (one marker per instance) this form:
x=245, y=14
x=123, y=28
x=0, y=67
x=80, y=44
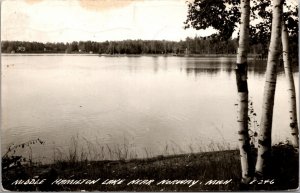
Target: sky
x=95, y=20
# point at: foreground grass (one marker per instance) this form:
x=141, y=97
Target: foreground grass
x=202, y=167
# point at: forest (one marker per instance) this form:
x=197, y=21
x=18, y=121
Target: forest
x=197, y=45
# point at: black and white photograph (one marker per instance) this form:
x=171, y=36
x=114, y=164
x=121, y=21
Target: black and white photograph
x=149, y=95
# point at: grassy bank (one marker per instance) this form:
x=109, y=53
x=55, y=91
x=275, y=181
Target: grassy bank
x=198, y=171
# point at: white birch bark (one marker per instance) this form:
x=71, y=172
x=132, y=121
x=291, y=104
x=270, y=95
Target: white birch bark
x=291, y=87
x=242, y=86
x=264, y=137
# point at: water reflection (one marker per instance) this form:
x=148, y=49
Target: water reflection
x=149, y=101
x=193, y=65
x=155, y=64
x=199, y=71
x=215, y=66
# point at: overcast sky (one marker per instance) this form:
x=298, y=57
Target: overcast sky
x=101, y=20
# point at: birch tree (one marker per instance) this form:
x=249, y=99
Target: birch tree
x=223, y=15
x=291, y=87
x=242, y=87
x=264, y=137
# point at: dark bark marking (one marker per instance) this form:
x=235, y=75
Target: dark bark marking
x=292, y=125
x=242, y=132
x=246, y=148
x=265, y=155
x=241, y=77
x=265, y=142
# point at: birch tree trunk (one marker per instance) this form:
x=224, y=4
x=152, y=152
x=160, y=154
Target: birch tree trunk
x=291, y=87
x=242, y=87
x=264, y=138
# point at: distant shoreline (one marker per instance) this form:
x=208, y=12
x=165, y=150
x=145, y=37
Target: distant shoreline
x=125, y=55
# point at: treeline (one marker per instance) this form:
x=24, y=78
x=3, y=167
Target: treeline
x=197, y=45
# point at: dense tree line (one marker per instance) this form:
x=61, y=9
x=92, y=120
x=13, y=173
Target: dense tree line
x=197, y=45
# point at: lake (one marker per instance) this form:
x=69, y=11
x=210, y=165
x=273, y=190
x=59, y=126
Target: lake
x=128, y=107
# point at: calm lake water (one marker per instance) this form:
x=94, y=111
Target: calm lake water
x=111, y=107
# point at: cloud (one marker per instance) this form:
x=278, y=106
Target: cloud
x=102, y=5
x=33, y=1
x=97, y=20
